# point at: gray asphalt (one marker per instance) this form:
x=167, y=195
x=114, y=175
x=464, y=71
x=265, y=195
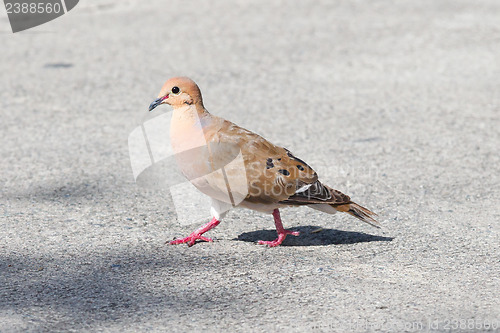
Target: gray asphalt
x=396, y=104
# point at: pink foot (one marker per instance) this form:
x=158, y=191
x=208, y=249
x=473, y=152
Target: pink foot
x=280, y=230
x=280, y=239
x=191, y=239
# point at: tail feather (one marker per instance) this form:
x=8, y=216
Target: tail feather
x=359, y=212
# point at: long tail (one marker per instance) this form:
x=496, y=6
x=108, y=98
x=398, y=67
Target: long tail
x=359, y=212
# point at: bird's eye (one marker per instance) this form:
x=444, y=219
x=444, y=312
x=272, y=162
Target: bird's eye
x=175, y=90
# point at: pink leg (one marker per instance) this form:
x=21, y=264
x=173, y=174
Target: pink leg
x=282, y=232
x=191, y=239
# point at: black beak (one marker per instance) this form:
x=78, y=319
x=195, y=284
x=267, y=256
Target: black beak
x=155, y=103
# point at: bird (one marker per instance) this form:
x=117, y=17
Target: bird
x=273, y=178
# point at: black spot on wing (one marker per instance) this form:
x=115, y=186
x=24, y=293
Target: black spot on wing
x=300, y=167
x=269, y=163
x=284, y=172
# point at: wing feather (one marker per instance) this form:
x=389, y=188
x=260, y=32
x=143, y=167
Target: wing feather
x=274, y=174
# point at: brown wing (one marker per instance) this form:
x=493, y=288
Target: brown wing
x=273, y=173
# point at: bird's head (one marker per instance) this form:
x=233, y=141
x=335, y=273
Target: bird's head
x=178, y=92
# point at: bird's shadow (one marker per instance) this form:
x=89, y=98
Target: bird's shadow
x=314, y=236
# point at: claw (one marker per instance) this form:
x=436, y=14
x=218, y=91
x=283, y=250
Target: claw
x=282, y=232
x=191, y=239
x=280, y=239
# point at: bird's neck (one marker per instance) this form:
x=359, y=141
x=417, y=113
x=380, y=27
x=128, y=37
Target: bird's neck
x=187, y=127
x=189, y=113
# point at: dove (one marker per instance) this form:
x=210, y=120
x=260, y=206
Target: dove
x=271, y=176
